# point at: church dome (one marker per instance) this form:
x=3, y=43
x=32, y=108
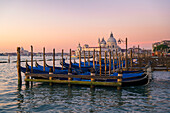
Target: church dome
x=103, y=41
x=111, y=38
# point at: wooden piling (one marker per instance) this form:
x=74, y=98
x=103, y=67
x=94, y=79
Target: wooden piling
x=100, y=62
x=94, y=58
x=19, y=66
x=44, y=58
x=88, y=58
x=113, y=62
x=117, y=58
x=119, y=61
x=131, y=59
x=8, y=58
x=31, y=59
x=62, y=59
x=139, y=59
x=53, y=60
x=120, y=75
x=126, y=61
x=70, y=59
x=80, y=59
x=122, y=59
x=109, y=62
x=92, y=74
x=105, y=62
x=84, y=59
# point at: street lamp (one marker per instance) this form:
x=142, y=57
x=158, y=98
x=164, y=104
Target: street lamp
x=126, y=60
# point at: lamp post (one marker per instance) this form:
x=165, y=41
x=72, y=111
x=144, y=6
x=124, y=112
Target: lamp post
x=126, y=60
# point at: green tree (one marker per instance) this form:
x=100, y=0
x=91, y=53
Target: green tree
x=160, y=47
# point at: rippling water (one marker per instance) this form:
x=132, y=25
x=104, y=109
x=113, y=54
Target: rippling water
x=41, y=97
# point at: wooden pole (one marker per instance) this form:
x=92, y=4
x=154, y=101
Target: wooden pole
x=109, y=62
x=70, y=59
x=131, y=59
x=62, y=58
x=8, y=58
x=79, y=59
x=105, y=62
x=94, y=58
x=88, y=58
x=119, y=61
x=84, y=59
x=31, y=59
x=100, y=62
x=126, y=57
x=44, y=58
x=53, y=60
x=139, y=58
x=113, y=62
x=122, y=59
x=19, y=66
x=117, y=58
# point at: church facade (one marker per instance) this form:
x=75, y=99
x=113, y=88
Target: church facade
x=110, y=45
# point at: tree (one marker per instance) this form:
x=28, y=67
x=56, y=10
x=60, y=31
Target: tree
x=160, y=47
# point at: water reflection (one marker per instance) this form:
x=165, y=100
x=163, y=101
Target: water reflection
x=59, y=97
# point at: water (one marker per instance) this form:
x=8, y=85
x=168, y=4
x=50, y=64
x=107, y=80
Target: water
x=41, y=97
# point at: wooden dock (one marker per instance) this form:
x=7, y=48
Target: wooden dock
x=97, y=80
x=91, y=80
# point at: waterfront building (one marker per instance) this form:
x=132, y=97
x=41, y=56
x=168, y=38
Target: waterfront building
x=110, y=45
x=165, y=43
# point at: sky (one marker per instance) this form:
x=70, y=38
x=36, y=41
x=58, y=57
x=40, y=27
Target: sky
x=63, y=24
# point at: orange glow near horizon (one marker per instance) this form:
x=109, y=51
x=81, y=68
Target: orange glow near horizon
x=64, y=24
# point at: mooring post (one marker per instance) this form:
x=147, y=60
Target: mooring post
x=119, y=61
x=27, y=77
x=44, y=58
x=84, y=59
x=110, y=62
x=94, y=58
x=8, y=58
x=88, y=58
x=131, y=59
x=100, y=62
x=117, y=58
x=92, y=74
x=79, y=59
x=105, y=62
x=139, y=59
x=53, y=60
x=120, y=75
x=126, y=57
x=69, y=73
x=62, y=58
x=113, y=62
x=19, y=66
x=122, y=59
x=50, y=78
x=70, y=59
x=31, y=59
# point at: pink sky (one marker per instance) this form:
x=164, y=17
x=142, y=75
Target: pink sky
x=62, y=24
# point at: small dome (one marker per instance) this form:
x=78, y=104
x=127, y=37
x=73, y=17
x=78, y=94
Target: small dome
x=103, y=41
x=79, y=46
x=111, y=38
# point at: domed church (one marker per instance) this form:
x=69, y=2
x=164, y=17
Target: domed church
x=110, y=45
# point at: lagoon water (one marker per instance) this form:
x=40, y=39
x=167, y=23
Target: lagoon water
x=41, y=97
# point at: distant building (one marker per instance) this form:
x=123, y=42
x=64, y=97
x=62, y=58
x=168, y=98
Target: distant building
x=164, y=42
x=24, y=52
x=110, y=45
